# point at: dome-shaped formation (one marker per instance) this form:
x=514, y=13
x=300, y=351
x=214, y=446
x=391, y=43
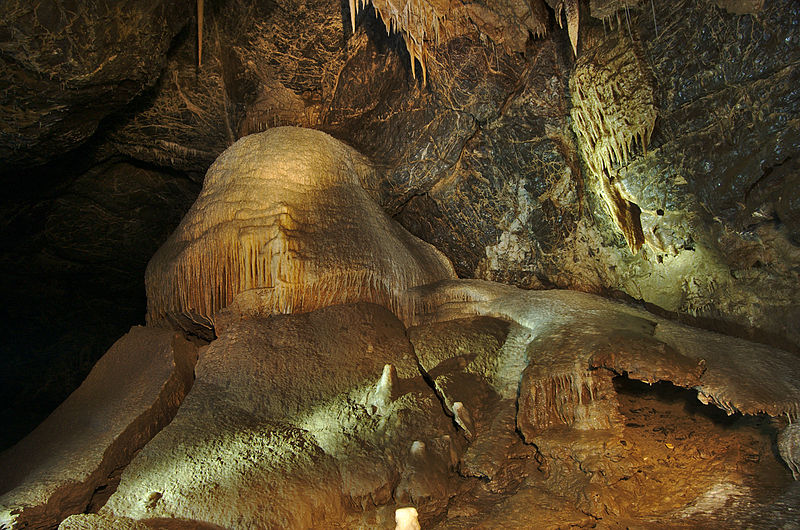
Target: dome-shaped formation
x=284, y=211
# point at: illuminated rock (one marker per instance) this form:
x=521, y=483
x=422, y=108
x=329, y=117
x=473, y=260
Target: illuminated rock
x=580, y=332
x=476, y=363
x=406, y=519
x=284, y=212
x=280, y=429
x=427, y=23
x=613, y=111
x=789, y=448
x=549, y=381
x=132, y=391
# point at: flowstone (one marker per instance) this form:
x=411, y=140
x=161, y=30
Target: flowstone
x=284, y=218
x=290, y=425
x=561, y=360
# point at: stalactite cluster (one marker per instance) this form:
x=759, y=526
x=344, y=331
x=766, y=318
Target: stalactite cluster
x=509, y=23
x=613, y=113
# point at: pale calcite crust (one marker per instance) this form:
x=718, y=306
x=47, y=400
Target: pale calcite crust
x=285, y=211
x=130, y=394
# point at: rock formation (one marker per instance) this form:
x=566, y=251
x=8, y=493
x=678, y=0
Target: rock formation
x=130, y=394
x=647, y=153
x=335, y=414
x=285, y=212
x=281, y=429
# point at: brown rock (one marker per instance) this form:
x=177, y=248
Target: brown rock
x=291, y=422
x=66, y=65
x=132, y=392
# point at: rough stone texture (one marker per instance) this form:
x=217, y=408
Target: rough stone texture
x=579, y=331
x=72, y=266
x=720, y=164
x=607, y=450
x=514, y=195
x=715, y=194
x=789, y=448
x=482, y=162
x=287, y=426
x=264, y=65
x=594, y=447
x=477, y=362
x=65, y=65
x=132, y=392
x=284, y=219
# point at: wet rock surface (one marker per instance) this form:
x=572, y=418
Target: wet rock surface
x=66, y=65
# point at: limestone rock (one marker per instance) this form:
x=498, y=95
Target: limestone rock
x=424, y=23
x=718, y=167
x=67, y=65
x=280, y=429
x=493, y=216
x=476, y=364
x=734, y=374
x=99, y=522
x=561, y=352
x=521, y=207
x=789, y=448
x=262, y=66
x=85, y=250
x=284, y=220
x=132, y=392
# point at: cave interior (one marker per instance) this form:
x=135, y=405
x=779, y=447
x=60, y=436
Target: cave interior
x=437, y=264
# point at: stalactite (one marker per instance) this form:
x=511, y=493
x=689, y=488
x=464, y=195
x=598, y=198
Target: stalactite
x=580, y=398
x=425, y=23
x=199, y=33
x=570, y=9
x=613, y=113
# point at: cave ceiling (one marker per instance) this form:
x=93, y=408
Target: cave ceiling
x=540, y=144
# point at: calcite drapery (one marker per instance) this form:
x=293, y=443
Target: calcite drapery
x=613, y=110
x=507, y=22
x=285, y=211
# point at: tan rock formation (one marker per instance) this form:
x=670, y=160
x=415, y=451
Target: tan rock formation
x=547, y=376
x=290, y=425
x=131, y=393
x=427, y=23
x=613, y=112
x=734, y=374
x=285, y=211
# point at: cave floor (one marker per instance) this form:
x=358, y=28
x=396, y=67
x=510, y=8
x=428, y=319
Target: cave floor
x=676, y=463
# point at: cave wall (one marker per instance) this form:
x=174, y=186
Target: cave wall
x=109, y=124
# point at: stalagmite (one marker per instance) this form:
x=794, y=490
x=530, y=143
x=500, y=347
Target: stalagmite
x=283, y=216
x=463, y=419
x=406, y=519
x=387, y=388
